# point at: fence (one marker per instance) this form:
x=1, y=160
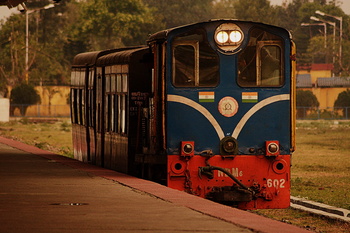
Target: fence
x=22, y=110
x=323, y=113
x=64, y=111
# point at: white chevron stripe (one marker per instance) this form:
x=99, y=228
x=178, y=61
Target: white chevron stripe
x=199, y=108
x=212, y=120
x=256, y=108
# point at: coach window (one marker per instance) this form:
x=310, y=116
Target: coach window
x=112, y=101
x=123, y=104
x=261, y=63
x=82, y=107
x=74, y=105
x=108, y=102
x=90, y=98
x=195, y=63
x=118, y=99
x=78, y=98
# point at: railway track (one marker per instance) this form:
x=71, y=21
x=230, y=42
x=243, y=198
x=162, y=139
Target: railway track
x=320, y=209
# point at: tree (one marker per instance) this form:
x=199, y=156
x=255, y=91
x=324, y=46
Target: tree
x=23, y=94
x=50, y=94
x=303, y=35
x=46, y=33
x=175, y=13
x=319, y=51
x=344, y=68
x=109, y=24
x=12, y=51
x=224, y=9
x=255, y=10
x=305, y=101
x=343, y=101
x=56, y=35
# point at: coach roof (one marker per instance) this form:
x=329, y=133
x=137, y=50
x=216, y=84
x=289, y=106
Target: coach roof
x=121, y=56
x=90, y=58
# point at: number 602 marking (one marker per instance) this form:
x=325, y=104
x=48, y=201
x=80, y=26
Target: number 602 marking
x=277, y=183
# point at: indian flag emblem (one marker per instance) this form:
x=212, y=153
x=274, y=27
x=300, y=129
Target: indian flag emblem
x=249, y=97
x=208, y=97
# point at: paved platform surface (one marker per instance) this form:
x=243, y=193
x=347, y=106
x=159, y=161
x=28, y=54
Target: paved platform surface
x=44, y=192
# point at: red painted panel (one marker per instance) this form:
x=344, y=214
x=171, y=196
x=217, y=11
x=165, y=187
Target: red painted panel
x=271, y=173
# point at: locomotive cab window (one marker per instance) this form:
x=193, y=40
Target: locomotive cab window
x=194, y=62
x=185, y=64
x=261, y=63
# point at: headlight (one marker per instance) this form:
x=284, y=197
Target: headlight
x=228, y=146
x=222, y=37
x=187, y=148
x=228, y=37
x=272, y=148
x=235, y=36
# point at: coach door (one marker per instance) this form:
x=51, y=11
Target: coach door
x=157, y=102
x=100, y=117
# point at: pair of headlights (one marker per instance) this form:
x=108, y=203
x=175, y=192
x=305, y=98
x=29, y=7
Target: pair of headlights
x=228, y=37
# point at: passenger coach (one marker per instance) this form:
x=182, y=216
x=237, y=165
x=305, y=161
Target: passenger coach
x=207, y=108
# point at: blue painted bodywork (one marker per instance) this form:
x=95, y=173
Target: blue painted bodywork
x=272, y=122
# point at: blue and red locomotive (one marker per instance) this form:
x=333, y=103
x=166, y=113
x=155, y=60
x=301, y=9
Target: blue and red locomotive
x=206, y=108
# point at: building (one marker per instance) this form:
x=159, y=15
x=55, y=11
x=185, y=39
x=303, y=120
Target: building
x=318, y=79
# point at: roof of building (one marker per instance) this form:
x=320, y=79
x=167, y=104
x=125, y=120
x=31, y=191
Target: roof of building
x=304, y=80
x=316, y=67
x=322, y=67
x=333, y=82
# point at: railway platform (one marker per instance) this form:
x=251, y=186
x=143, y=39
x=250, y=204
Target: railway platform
x=44, y=192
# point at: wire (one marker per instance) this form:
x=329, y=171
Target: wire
x=211, y=168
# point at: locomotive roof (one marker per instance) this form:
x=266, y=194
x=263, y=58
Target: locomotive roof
x=90, y=58
x=121, y=56
x=162, y=35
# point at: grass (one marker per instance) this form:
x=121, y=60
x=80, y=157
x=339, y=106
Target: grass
x=306, y=220
x=320, y=170
x=321, y=163
x=48, y=134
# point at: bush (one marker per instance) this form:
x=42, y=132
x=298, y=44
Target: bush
x=307, y=100
x=343, y=101
x=23, y=94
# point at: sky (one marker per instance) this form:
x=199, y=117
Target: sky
x=345, y=6
x=5, y=12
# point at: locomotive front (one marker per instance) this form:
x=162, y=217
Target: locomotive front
x=229, y=111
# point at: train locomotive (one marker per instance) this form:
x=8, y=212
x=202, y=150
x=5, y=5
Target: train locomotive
x=206, y=108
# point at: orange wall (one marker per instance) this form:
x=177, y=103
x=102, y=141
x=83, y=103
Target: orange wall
x=326, y=96
x=59, y=106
